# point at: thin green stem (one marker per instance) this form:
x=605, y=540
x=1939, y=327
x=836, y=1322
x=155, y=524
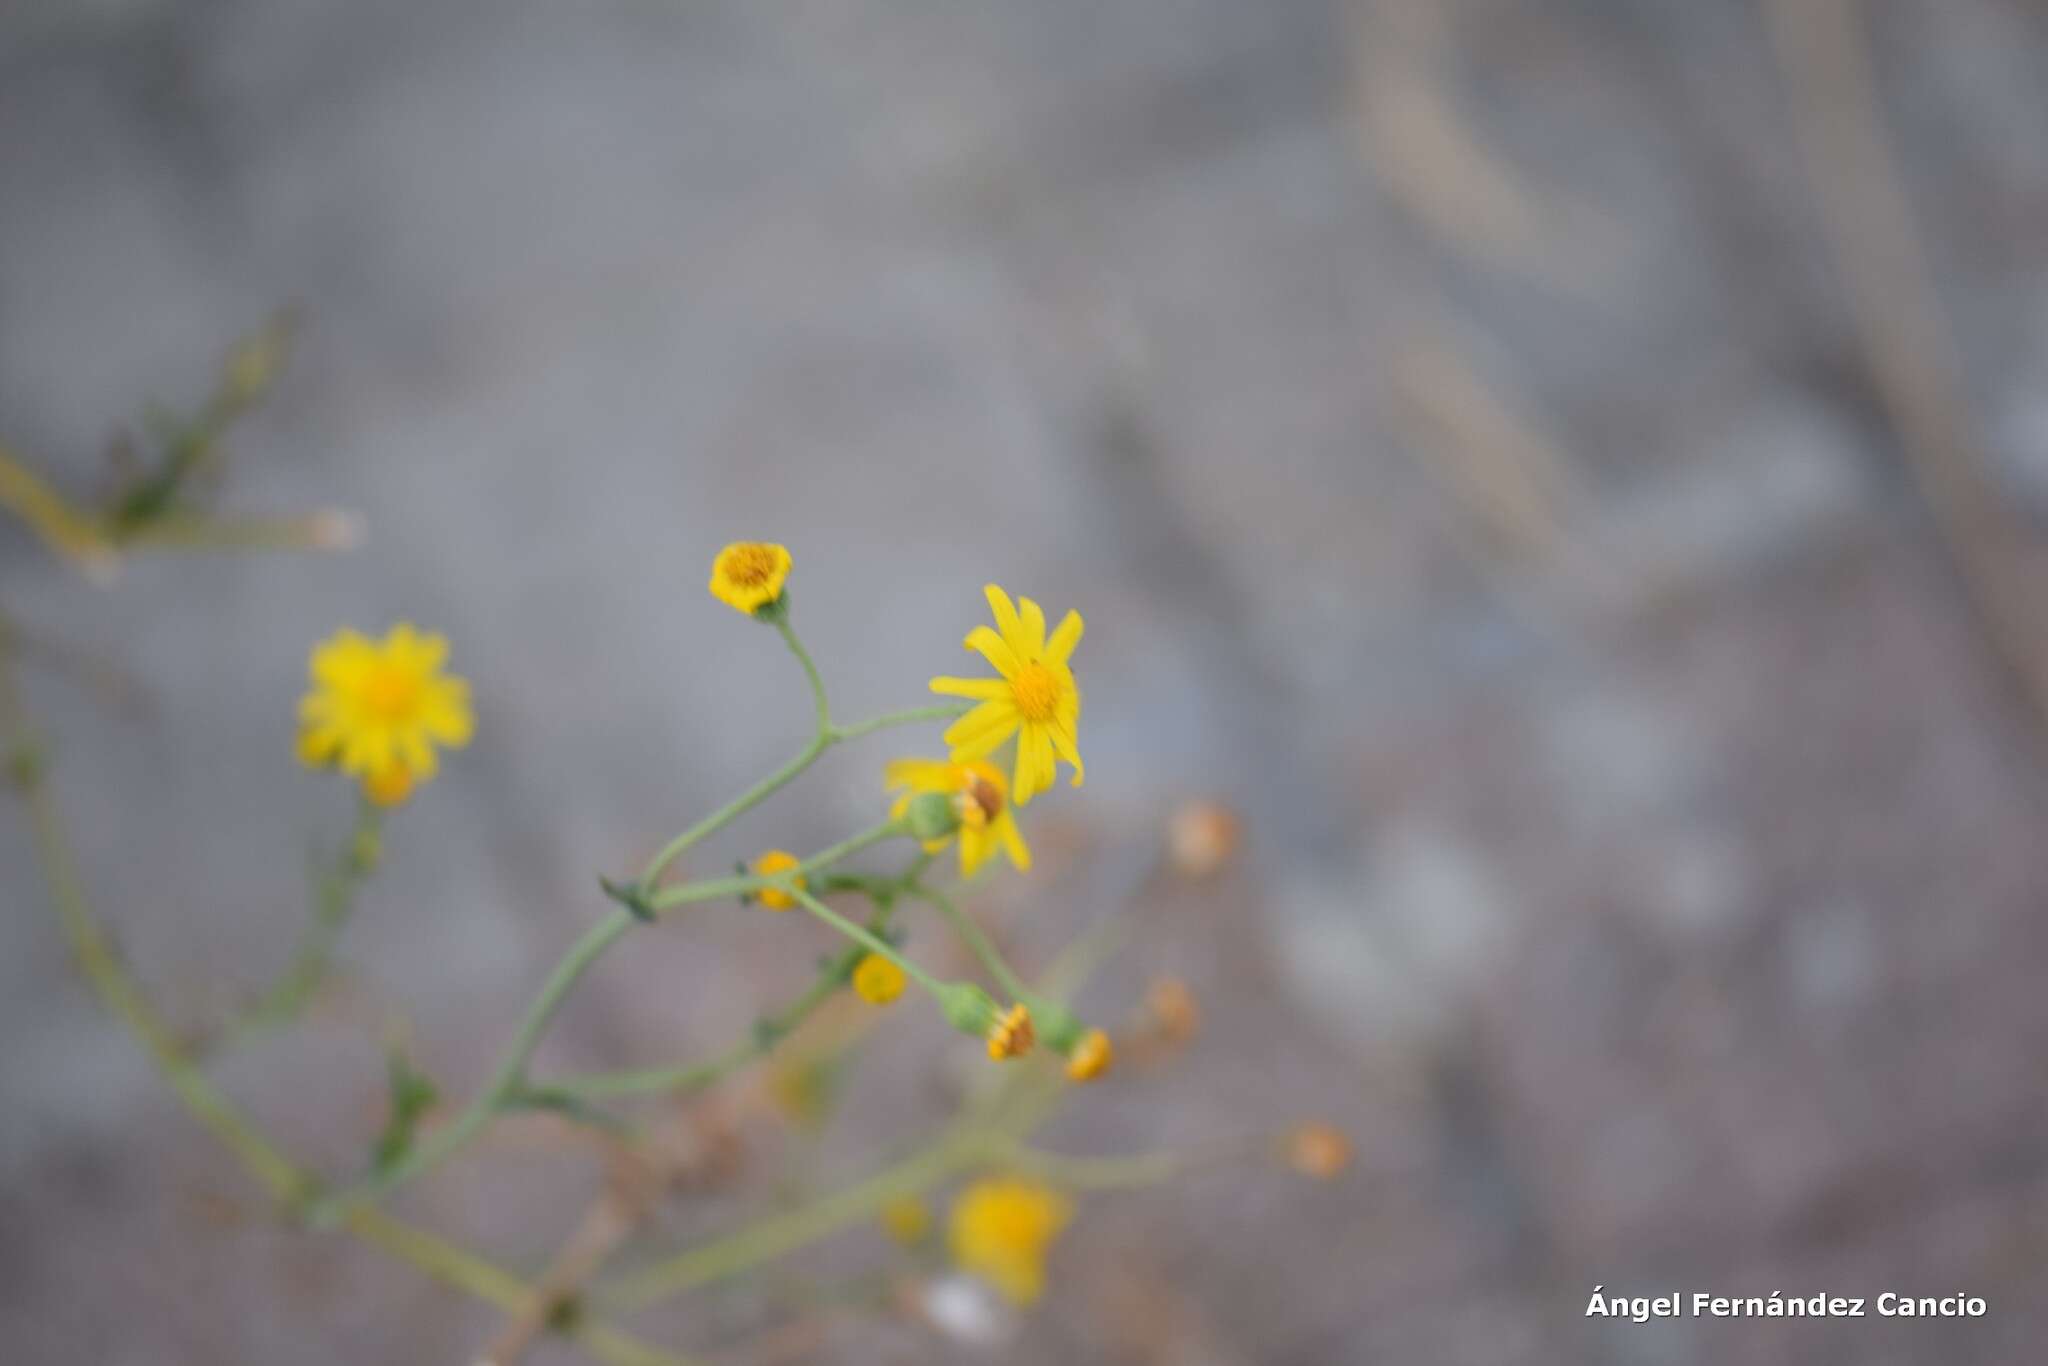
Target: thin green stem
x=280, y=1178
x=803, y=657
x=872, y=943
x=334, y=892
x=977, y=940
x=909, y=716
x=714, y=888
x=767, y=1239
x=504, y=1082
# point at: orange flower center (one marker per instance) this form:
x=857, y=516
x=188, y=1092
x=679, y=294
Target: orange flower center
x=391, y=693
x=1038, y=692
x=750, y=566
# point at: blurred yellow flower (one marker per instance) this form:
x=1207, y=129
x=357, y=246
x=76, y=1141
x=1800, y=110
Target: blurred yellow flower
x=1011, y=1036
x=877, y=981
x=1091, y=1057
x=377, y=709
x=1036, y=699
x=980, y=798
x=748, y=575
x=768, y=865
x=1001, y=1230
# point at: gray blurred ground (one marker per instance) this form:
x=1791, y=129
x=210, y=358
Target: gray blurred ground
x=1449, y=419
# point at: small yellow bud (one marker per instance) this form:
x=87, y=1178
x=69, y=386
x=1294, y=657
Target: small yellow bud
x=768, y=865
x=1011, y=1036
x=1091, y=1057
x=877, y=980
x=1318, y=1150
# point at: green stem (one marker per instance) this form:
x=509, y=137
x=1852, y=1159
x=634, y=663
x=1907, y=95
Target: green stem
x=503, y=1085
x=334, y=898
x=803, y=657
x=976, y=939
x=510, y=1076
x=872, y=943
x=713, y=889
x=770, y=1238
x=283, y=1180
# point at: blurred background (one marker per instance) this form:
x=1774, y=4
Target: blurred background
x=1565, y=476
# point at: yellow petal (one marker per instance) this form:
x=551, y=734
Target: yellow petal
x=1005, y=613
x=1031, y=617
x=996, y=719
x=984, y=689
x=1062, y=736
x=994, y=649
x=1006, y=830
x=1065, y=637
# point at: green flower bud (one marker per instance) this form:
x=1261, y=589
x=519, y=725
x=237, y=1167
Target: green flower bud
x=932, y=816
x=968, y=1008
x=1059, y=1027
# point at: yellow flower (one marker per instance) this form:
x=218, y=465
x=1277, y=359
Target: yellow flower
x=907, y=1220
x=1036, y=698
x=768, y=865
x=748, y=575
x=377, y=709
x=979, y=797
x=877, y=980
x=1011, y=1036
x=1001, y=1230
x=1091, y=1057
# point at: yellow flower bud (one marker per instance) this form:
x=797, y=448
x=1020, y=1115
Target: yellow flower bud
x=877, y=980
x=1091, y=1057
x=768, y=865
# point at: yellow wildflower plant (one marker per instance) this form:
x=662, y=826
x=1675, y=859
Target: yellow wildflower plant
x=1001, y=1229
x=768, y=865
x=1012, y=1035
x=980, y=799
x=878, y=981
x=1035, y=699
x=378, y=709
x=748, y=575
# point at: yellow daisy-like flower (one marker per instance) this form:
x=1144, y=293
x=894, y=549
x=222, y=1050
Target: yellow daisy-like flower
x=1001, y=1230
x=748, y=575
x=1091, y=1057
x=1012, y=1035
x=980, y=797
x=1036, y=698
x=378, y=708
x=768, y=865
x=877, y=981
